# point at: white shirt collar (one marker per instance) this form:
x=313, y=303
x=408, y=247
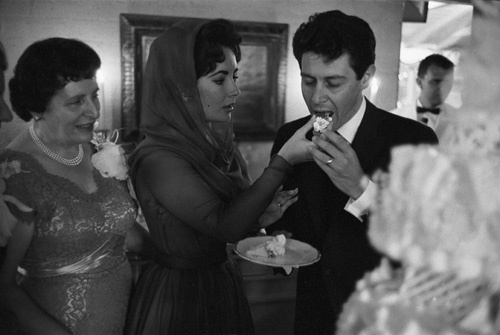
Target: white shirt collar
x=348, y=130
x=419, y=104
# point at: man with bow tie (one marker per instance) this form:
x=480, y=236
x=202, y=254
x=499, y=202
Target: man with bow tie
x=435, y=80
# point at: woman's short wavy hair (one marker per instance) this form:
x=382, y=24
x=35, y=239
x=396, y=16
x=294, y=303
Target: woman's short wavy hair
x=45, y=67
x=210, y=40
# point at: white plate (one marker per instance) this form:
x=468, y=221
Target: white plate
x=296, y=253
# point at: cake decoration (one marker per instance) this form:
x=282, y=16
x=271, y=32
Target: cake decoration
x=322, y=121
x=269, y=249
x=436, y=214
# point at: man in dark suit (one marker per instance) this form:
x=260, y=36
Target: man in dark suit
x=336, y=55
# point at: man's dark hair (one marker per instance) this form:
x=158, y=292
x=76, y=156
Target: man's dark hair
x=45, y=67
x=333, y=33
x=434, y=59
x=209, y=42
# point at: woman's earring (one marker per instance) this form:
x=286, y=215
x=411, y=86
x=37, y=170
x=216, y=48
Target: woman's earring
x=36, y=117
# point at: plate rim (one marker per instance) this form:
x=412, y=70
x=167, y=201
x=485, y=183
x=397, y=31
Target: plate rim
x=262, y=262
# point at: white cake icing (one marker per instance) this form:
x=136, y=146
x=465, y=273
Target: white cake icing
x=269, y=249
x=437, y=211
x=322, y=121
x=439, y=206
x=390, y=302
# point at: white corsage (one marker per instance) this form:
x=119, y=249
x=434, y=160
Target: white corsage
x=7, y=220
x=110, y=161
x=109, y=158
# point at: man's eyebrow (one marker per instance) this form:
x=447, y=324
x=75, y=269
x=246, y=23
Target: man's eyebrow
x=333, y=77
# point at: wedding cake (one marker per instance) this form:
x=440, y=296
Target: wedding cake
x=437, y=214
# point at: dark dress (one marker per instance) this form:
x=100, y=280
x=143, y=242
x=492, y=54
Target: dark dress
x=72, y=227
x=196, y=289
x=191, y=287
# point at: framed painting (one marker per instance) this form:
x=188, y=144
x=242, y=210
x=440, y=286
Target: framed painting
x=259, y=110
x=415, y=11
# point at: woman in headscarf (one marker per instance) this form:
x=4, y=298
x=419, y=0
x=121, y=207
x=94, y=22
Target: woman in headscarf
x=193, y=187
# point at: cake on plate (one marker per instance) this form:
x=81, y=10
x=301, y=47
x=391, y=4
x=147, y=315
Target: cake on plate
x=269, y=249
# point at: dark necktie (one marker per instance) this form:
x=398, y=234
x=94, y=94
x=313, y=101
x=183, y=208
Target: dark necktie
x=421, y=110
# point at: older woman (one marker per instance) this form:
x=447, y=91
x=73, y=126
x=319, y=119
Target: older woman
x=71, y=246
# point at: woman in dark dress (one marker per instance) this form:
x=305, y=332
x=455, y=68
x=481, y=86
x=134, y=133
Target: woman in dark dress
x=193, y=187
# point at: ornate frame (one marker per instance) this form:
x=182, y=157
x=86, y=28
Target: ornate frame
x=259, y=110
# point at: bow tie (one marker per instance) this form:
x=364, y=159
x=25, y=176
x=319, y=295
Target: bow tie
x=430, y=110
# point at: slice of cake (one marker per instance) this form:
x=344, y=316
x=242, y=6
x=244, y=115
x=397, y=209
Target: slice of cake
x=269, y=249
x=322, y=121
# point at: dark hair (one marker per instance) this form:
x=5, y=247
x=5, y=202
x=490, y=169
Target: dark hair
x=333, y=33
x=44, y=68
x=434, y=59
x=210, y=40
x=3, y=58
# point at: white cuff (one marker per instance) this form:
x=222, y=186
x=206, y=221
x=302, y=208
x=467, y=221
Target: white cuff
x=361, y=206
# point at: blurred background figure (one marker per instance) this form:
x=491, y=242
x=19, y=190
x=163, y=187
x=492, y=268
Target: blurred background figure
x=435, y=80
x=5, y=112
x=7, y=320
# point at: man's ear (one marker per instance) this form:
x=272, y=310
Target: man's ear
x=419, y=82
x=367, y=76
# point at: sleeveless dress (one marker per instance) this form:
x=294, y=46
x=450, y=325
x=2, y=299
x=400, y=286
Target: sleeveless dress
x=75, y=267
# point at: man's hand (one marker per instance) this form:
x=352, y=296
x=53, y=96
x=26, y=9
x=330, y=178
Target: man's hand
x=335, y=156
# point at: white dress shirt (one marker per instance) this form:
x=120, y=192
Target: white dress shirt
x=360, y=206
x=438, y=123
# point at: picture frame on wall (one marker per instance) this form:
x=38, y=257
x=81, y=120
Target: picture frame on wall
x=259, y=110
x=415, y=11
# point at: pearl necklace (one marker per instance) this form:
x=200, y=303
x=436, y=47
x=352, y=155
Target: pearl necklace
x=70, y=162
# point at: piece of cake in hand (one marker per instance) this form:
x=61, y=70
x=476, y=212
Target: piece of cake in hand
x=269, y=249
x=322, y=121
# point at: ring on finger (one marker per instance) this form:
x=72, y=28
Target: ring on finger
x=328, y=162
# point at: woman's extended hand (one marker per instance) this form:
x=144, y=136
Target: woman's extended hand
x=296, y=149
x=281, y=201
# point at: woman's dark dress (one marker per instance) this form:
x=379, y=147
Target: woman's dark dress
x=197, y=290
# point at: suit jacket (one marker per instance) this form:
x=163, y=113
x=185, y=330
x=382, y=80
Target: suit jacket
x=319, y=218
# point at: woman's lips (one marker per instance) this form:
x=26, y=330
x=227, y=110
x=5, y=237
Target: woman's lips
x=87, y=126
